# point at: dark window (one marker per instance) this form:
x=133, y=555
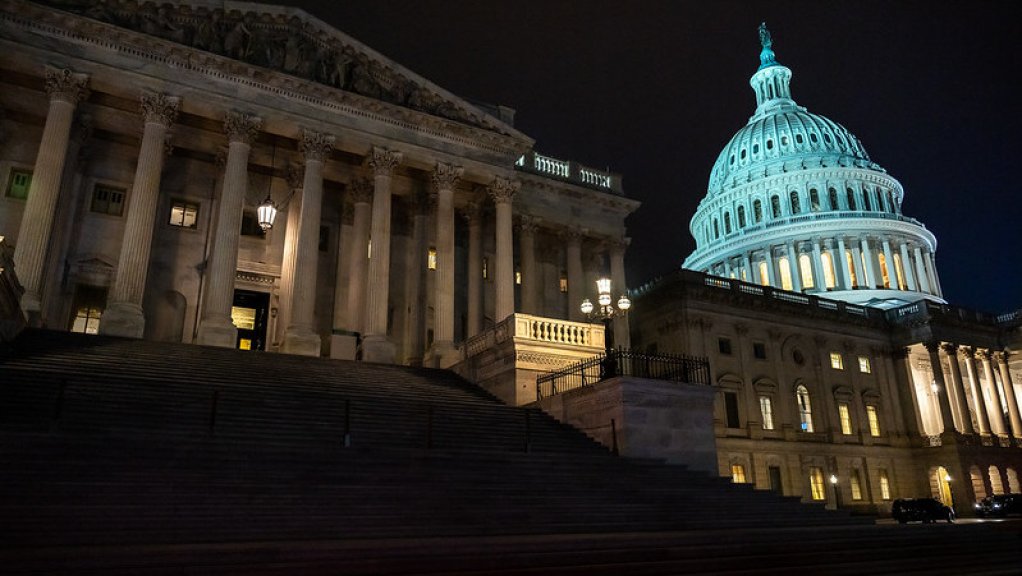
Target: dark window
x=731, y=409
x=775, y=207
x=324, y=238
x=250, y=225
x=759, y=350
x=727, y=223
x=867, y=205
x=741, y=216
x=851, y=198
x=17, y=186
x=757, y=211
x=832, y=197
x=107, y=200
x=814, y=200
x=716, y=229
x=796, y=207
x=724, y=345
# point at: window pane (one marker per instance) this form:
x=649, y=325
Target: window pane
x=731, y=410
x=885, y=485
x=816, y=483
x=864, y=366
x=19, y=183
x=767, y=410
x=846, y=419
x=738, y=473
x=874, y=421
x=856, y=485
x=836, y=361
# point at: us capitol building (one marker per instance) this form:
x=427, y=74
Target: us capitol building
x=243, y=175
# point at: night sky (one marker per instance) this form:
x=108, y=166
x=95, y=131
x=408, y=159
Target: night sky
x=654, y=89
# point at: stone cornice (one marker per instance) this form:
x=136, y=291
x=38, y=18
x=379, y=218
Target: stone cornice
x=491, y=135
x=587, y=195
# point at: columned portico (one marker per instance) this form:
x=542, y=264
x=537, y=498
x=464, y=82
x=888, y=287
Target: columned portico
x=302, y=336
x=1010, y=398
x=123, y=315
x=502, y=190
x=982, y=420
x=361, y=192
x=964, y=419
x=65, y=89
x=445, y=180
x=376, y=347
x=996, y=415
x=216, y=327
x=943, y=392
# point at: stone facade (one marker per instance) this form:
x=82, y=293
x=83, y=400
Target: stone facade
x=140, y=139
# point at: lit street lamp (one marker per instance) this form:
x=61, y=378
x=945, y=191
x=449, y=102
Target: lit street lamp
x=605, y=312
x=837, y=494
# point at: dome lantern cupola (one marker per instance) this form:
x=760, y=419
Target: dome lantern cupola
x=771, y=81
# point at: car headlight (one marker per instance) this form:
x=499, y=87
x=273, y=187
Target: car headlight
x=997, y=505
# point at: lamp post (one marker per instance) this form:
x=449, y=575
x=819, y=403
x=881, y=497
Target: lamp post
x=605, y=312
x=837, y=493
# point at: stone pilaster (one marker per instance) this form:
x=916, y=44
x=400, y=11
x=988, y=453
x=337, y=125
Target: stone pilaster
x=924, y=281
x=502, y=191
x=842, y=264
x=445, y=180
x=375, y=346
x=123, y=315
x=301, y=336
x=65, y=89
x=216, y=327
x=906, y=267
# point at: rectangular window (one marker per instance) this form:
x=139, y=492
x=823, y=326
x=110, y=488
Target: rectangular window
x=250, y=225
x=864, y=366
x=431, y=259
x=816, y=484
x=724, y=345
x=17, y=186
x=836, y=361
x=874, y=421
x=563, y=283
x=89, y=302
x=885, y=485
x=518, y=276
x=184, y=214
x=486, y=270
x=759, y=350
x=846, y=418
x=731, y=409
x=107, y=200
x=766, y=409
x=856, y=485
x=738, y=473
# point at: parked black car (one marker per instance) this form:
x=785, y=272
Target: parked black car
x=922, y=509
x=999, y=505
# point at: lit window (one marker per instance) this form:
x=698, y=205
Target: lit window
x=883, y=270
x=836, y=361
x=846, y=418
x=107, y=200
x=816, y=483
x=864, y=366
x=851, y=268
x=874, y=421
x=899, y=271
x=805, y=266
x=518, y=276
x=563, y=283
x=369, y=249
x=856, y=485
x=885, y=485
x=738, y=473
x=785, y=268
x=88, y=305
x=764, y=274
x=19, y=183
x=431, y=258
x=184, y=214
x=805, y=409
x=829, y=280
x=486, y=272
x=87, y=320
x=766, y=408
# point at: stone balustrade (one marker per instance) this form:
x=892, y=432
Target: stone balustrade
x=571, y=171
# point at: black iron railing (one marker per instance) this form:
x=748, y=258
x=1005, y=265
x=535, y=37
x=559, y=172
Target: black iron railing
x=674, y=368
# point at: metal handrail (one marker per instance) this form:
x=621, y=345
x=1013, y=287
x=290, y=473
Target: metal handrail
x=670, y=367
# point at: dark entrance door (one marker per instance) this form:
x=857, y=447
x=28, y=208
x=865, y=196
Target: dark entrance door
x=250, y=313
x=775, y=479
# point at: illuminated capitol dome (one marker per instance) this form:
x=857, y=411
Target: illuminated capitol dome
x=795, y=202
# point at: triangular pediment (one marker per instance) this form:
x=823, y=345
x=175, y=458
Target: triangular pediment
x=287, y=40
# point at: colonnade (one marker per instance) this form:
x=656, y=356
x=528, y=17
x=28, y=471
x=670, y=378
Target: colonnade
x=971, y=403
x=840, y=263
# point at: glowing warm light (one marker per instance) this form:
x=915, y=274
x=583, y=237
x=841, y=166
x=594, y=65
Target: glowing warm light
x=267, y=213
x=587, y=306
x=603, y=286
x=833, y=479
x=604, y=299
x=624, y=303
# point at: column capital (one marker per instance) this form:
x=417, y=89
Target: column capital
x=446, y=176
x=572, y=235
x=984, y=354
x=159, y=108
x=316, y=145
x=384, y=161
x=968, y=351
x=1001, y=356
x=360, y=190
x=528, y=224
x=65, y=85
x=502, y=190
x=932, y=346
x=949, y=348
x=241, y=127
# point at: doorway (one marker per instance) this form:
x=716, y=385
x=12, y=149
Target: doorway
x=250, y=313
x=943, y=485
x=775, y=479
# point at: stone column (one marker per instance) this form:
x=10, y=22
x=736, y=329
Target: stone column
x=576, y=279
x=293, y=204
x=943, y=395
x=502, y=190
x=796, y=273
x=931, y=267
x=747, y=268
x=996, y=413
x=870, y=277
x=771, y=269
x=65, y=90
x=842, y=264
x=361, y=191
x=924, y=281
x=622, y=332
x=301, y=336
x=416, y=270
x=819, y=277
x=906, y=266
x=123, y=315
x=216, y=327
x=892, y=273
x=964, y=419
x=473, y=214
x=860, y=274
x=530, y=277
x=375, y=346
x=977, y=392
x=445, y=180
x=1009, y=393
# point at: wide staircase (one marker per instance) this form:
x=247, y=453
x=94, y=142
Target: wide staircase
x=124, y=456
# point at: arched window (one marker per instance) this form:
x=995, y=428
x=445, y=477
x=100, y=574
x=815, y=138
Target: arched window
x=757, y=211
x=785, y=268
x=996, y=485
x=851, y=198
x=716, y=229
x=832, y=198
x=814, y=200
x=775, y=206
x=1012, y=481
x=850, y=260
x=805, y=409
x=829, y=278
x=795, y=207
x=741, y=216
x=727, y=223
x=867, y=205
x=890, y=202
x=764, y=274
x=805, y=268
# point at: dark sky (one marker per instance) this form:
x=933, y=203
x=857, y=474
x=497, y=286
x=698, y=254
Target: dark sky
x=653, y=89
